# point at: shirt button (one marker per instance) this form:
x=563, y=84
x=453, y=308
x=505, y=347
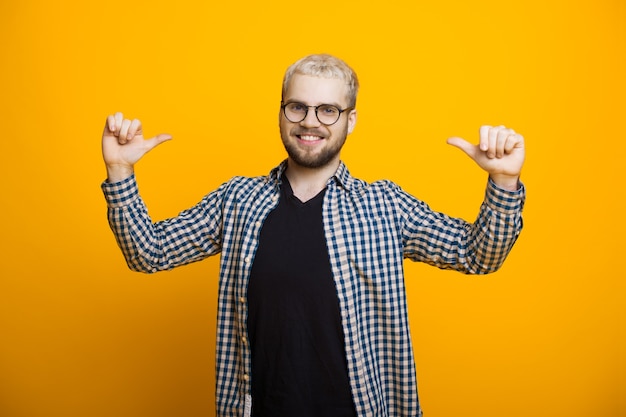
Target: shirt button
x=274, y=198
x=242, y=300
x=246, y=377
x=257, y=224
x=247, y=260
x=243, y=339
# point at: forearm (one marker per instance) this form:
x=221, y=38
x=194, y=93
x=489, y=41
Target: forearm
x=495, y=230
x=137, y=238
x=473, y=248
x=151, y=247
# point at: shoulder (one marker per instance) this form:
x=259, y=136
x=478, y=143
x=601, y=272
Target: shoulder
x=239, y=183
x=378, y=187
x=248, y=190
x=241, y=187
x=358, y=186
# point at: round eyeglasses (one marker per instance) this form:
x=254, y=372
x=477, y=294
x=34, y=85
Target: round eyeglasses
x=327, y=114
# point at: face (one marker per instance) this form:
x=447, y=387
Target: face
x=309, y=143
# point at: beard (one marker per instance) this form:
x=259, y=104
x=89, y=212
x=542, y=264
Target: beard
x=307, y=159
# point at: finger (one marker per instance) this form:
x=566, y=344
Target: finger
x=123, y=134
x=157, y=140
x=134, y=129
x=484, y=137
x=110, y=124
x=501, y=139
x=118, y=118
x=513, y=141
x=492, y=141
x=463, y=145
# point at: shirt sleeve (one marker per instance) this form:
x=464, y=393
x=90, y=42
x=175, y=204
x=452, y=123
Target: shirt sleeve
x=150, y=247
x=453, y=243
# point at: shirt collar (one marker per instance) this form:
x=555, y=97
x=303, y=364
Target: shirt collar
x=276, y=174
x=342, y=176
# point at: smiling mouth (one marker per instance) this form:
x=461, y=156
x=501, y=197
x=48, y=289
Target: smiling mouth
x=309, y=138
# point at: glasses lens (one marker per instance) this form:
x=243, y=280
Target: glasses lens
x=295, y=112
x=328, y=114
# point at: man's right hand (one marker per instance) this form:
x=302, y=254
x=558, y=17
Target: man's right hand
x=123, y=145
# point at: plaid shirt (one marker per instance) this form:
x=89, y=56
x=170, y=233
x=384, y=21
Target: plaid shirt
x=370, y=229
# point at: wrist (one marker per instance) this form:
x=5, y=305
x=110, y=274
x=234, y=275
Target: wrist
x=116, y=173
x=506, y=182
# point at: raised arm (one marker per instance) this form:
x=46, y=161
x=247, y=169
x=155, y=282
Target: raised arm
x=480, y=247
x=149, y=247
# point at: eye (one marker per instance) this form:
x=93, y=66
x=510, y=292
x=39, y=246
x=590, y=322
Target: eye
x=296, y=107
x=328, y=110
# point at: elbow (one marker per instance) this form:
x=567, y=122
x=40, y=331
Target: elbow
x=140, y=265
x=485, y=267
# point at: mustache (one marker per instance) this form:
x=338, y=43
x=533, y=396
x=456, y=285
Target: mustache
x=309, y=132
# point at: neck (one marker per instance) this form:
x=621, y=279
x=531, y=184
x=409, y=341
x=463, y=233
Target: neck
x=306, y=183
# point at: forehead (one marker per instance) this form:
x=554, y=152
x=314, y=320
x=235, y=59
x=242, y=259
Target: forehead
x=313, y=90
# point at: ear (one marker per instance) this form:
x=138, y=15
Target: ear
x=351, y=120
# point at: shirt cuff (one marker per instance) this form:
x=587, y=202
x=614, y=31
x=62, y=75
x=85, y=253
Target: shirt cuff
x=505, y=201
x=122, y=193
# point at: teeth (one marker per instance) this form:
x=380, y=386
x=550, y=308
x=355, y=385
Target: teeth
x=309, y=138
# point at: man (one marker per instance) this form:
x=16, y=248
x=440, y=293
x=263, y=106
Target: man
x=312, y=317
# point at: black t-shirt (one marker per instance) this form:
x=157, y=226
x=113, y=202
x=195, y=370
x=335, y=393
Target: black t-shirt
x=294, y=324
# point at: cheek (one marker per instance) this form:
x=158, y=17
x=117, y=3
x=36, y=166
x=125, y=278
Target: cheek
x=281, y=121
x=285, y=128
x=343, y=130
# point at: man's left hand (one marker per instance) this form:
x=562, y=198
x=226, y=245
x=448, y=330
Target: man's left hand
x=500, y=152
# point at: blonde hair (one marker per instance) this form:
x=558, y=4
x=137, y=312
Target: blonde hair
x=325, y=66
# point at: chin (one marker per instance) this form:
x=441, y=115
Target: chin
x=311, y=163
x=328, y=155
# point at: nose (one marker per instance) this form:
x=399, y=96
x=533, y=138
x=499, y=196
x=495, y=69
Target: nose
x=310, y=119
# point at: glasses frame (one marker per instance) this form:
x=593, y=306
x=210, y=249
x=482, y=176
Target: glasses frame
x=306, y=113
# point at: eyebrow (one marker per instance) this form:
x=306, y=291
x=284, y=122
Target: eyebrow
x=314, y=105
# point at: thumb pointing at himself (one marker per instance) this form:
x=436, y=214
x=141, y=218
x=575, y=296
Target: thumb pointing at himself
x=500, y=152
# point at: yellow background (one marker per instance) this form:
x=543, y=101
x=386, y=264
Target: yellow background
x=80, y=335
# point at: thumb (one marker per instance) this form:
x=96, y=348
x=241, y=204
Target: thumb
x=156, y=141
x=463, y=145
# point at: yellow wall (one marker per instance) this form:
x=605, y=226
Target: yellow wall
x=80, y=335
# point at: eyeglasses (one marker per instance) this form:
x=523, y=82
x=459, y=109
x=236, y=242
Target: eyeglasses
x=327, y=114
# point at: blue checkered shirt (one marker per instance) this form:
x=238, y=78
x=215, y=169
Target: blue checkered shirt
x=370, y=229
